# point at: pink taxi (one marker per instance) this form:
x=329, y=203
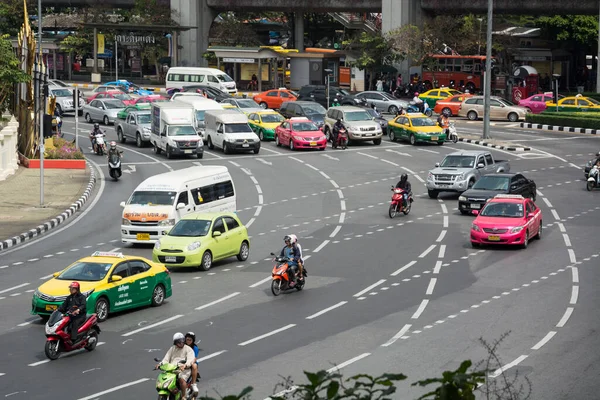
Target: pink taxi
x=300, y=133
x=537, y=103
x=508, y=220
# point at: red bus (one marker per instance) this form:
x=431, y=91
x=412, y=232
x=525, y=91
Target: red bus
x=455, y=72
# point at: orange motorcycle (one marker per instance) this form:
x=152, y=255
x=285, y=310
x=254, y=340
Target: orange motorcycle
x=281, y=279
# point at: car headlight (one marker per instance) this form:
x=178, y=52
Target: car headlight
x=147, y=130
x=193, y=246
x=475, y=228
x=166, y=222
x=516, y=230
x=36, y=293
x=323, y=137
x=125, y=221
x=87, y=294
x=430, y=176
x=157, y=245
x=462, y=198
x=299, y=138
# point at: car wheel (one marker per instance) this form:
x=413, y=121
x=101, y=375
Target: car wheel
x=327, y=134
x=105, y=120
x=262, y=104
x=539, y=232
x=138, y=140
x=101, y=309
x=200, y=155
x=474, y=245
x=393, y=110
x=156, y=149
x=472, y=116
x=470, y=184
x=210, y=144
x=528, y=110
x=206, y=261
x=277, y=142
x=392, y=136
x=377, y=142
x=261, y=135
x=168, y=151
x=464, y=212
x=59, y=110
x=244, y=251
x=526, y=241
x=120, y=135
x=413, y=139
x=446, y=109
x=88, y=119
x=513, y=117
x=292, y=145
x=158, y=295
x=433, y=194
x=225, y=148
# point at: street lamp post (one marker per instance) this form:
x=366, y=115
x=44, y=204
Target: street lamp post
x=41, y=103
x=556, y=78
x=598, y=55
x=479, y=37
x=327, y=72
x=488, y=72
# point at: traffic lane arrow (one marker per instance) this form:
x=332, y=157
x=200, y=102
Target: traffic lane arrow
x=131, y=169
x=264, y=161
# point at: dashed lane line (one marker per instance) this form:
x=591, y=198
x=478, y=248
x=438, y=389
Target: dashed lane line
x=266, y=335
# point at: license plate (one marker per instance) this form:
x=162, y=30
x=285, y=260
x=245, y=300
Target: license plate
x=50, y=307
x=443, y=185
x=188, y=151
x=171, y=259
x=313, y=143
x=494, y=238
x=434, y=138
x=245, y=145
x=143, y=236
x=475, y=206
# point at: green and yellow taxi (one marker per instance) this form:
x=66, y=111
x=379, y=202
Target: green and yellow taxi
x=136, y=107
x=264, y=123
x=432, y=96
x=416, y=127
x=199, y=239
x=112, y=282
x=574, y=104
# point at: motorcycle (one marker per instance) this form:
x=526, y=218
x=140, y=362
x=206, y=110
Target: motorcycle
x=114, y=166
x=397, y=205
x=342, y=140
x=166, y=383
x=590, y=164
x=281, y=280
x=57, y=126
x=452, y=135
x=413, y=108
x=592, y=180
x=100, y=144
x=59, y=340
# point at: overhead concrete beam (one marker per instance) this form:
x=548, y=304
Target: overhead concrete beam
x=521, y=7
x=298, y=5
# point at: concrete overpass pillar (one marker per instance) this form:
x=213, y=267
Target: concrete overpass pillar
x=299, y=30
x=395, y=14
x=194, y=42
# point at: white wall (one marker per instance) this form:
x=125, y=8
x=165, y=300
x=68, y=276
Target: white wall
x=8, y=149
x=299, y=72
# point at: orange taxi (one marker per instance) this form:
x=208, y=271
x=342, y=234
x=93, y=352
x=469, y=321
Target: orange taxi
x=451, y=103
x=274, y=98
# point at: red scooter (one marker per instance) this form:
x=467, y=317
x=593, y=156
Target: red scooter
x=281, y=279
x=59, y=339
x=342, y=140
x=397, y=205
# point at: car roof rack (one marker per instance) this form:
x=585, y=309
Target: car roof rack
x=509, y=196
x=107, y=254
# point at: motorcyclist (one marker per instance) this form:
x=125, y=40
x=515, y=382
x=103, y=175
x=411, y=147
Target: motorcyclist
x=335, y=102
x=301, y=259
x=75, y=304
x=113, y=150
x=291, y=252
x=404, y=184
x=418, y=102
x=444, y=121
x=336, y=130
x=93, y=133
x=180, y=352
x=190, y=340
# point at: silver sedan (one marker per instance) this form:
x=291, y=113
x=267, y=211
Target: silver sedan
x=384, y=102
x=104, y=110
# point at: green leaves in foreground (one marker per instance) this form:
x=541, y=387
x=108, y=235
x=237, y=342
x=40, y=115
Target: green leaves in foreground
x=458, y=384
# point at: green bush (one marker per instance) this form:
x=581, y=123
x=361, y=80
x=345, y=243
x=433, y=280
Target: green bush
x=560, y=119
x=591, y=115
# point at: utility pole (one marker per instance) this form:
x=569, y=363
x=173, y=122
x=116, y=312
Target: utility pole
x=598, y=59
x=41, y=102
x=488, y=72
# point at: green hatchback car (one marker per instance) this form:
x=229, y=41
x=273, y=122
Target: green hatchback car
x=199, y=239
x=137, y=107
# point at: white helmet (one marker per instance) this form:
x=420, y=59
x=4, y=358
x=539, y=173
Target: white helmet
x=178, y=337
x=294, y=238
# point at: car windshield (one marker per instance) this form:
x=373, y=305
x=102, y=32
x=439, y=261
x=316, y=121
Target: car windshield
x=85, y=271
x=503, y=210
x=506, y=102
x=269, y=118
x=295, y=94
x=304, y=127
x=122, y=96
x=387, y=96
x=247, y=104
x=152, y=198
x=237, y=128
x=458, y=162
x=200, y=115
x=182, y=130
x=144, y=119
x=314, y=109
x=358, y=116
x=593, y=101
x=344, y=92
x=114, y=104
x=62, y=93
x=191, y=228
x=59, y=83
x=373, y=113
x=224, y=78
x=492, y=183
x=422, y=122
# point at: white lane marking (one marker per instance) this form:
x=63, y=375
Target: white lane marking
x=153, y=325
x=438, y=266
x=368, y=289
x=35, y=364
x=325, y=243
x=340, y=194
x=441, y=237
x=555, y=214
x=561, y=227
x=335, y=231
x=514, y=363
x=343, y=205
x=114, y=250
x=572, y=257
x=33, y=259
x=330, y=157
x=442, y=252
x=271, y=150
x=253, y=179
x=431, y=286
x=276, y=331
x=213, y=355
x=429, y=249
x=397, y=336
x=47, y=277
x=312, y=167
x=25, y=323
x=575, y=272
x=315, y=315
x=2, y=374
x=114, y=389
x=547, y=202
x=368, y=155
x=264, y=161
x=346, y=363
x=13, y=288
x=420, y=310
x=407, y=266
x=567, y=240
x=212, y=303
x=565, y=317
x=430, y=151
x=389, y=162
x=545, y=340
x=397, y=152
x=574, y=294
x=268, y=278
x=445, y=221
x=334, y=183
x=325, y=175
x=444, y=208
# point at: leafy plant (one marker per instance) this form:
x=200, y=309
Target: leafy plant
x=374, y=51
x=458, y=384
x=11, y=73
x=63, y=150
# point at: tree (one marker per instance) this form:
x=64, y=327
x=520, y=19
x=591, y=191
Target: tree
x=231, y=31
x=374, y=51
x=11, y=73
x=581, y=29
x=11, y=15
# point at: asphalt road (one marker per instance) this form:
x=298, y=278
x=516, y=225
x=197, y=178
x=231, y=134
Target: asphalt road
x=406, y=295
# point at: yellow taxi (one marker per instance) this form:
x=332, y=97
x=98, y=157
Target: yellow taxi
x=112, y=282
x=433, y=95
x=574, y=104
x=416, y=127
x=264, y=123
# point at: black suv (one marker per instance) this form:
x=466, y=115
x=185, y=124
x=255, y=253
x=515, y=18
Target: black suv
x=317, y=93
x=309, y=109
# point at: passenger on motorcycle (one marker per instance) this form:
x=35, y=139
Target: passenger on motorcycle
x=301, y=260
x=404, y=184
x=180, y=352
x=444, y=121
x=291, y=252
x=418, y=102
x=75, y=304
x=93, y=134
x=190, y=340
x=336, y=130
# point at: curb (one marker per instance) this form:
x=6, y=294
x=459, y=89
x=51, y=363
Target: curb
x=560, y=128
x=53, y=223
x=494, y=146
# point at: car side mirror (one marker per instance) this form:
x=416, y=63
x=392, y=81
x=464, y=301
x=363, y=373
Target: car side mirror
x=122, y=204
x=180, y=206
x=475, y=212
x=480, y=165
x=116, y=278
x=133, y=122
x=216, y=233
x=56, y=274
x=437, y=164
x=530, y=215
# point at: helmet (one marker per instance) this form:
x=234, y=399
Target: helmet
x=446, y=113
x=287, y=238
x=74, y=285
x=192, y=335
x=416, y=93
x=294, y=238
x=403, y=178
x=96, y=126
x=339, y=121
x=113, y=145
x=178, y=338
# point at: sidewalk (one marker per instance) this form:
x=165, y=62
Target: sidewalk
x=20, y=209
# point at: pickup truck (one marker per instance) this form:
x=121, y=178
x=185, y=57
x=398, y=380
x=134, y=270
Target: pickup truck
x=460, y=170
x=135, y=126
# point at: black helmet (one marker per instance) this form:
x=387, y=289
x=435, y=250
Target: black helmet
x=446, y=113
x=403, y=178
x=96, y=126
x=191, y=335
x=339, y=121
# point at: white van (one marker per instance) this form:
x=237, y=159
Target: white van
x=201, y=105
x=229, y=130
x=180, y=77
x=160, y=201
x=173, y=130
